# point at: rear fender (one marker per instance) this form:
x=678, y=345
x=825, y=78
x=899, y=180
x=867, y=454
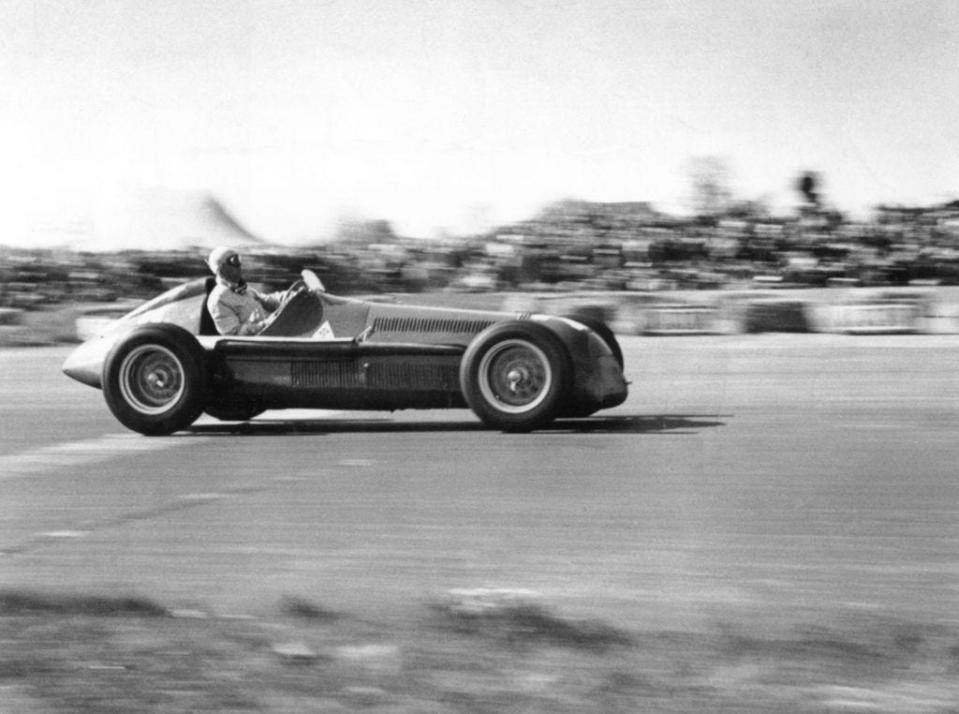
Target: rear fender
x=598, y=380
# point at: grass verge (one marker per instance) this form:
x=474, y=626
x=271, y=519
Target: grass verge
x=94, y=653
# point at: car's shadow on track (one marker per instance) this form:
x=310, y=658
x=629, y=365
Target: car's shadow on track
x=645, y=424
x=640, y=424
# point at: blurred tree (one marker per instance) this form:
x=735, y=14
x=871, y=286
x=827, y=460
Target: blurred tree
x=808, y=185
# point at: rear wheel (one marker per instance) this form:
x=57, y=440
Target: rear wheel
x=155, y=381
x=515, y=376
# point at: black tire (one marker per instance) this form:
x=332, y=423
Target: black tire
x=515, y=376
x=606, y=334
x=156, y=380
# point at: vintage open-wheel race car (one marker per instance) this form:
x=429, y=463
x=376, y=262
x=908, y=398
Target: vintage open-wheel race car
x=163, y=364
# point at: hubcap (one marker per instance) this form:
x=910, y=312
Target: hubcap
x=515, y=376
x=151, y=379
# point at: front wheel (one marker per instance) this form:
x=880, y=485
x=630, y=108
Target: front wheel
x=515, y=376
x=155, y=381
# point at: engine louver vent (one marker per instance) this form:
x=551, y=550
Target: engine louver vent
x=387, y=375
x=412, y=376
x=422, y=324
x=328, y=375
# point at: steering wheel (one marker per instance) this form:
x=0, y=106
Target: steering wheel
x=308, y=282
x=291, y=292
x=297, y=287
x=313, y=283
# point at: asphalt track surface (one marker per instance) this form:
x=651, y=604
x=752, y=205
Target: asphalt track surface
x=769, y=478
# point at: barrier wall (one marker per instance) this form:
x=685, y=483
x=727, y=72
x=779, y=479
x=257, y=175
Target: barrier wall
x=13, y=331
x=679, y=320
x=90, y=327
x=852, y=312
x=10, y=316
x=92, y=320
x=880, y=318
x=773, y=315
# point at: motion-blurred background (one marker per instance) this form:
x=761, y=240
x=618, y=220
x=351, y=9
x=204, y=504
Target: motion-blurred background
x=477, y=144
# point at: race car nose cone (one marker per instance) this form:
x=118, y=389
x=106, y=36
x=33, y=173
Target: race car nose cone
x=84, y=363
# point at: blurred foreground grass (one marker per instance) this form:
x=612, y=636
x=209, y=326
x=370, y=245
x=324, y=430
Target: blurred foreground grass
x=94, y=654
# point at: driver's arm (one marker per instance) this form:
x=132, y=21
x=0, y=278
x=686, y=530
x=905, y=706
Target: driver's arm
x=270, y=301
x=253, y=326
x=228, y=322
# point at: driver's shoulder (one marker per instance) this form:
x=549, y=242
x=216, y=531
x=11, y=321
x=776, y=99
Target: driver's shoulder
x=223, y=295
x=217, y=294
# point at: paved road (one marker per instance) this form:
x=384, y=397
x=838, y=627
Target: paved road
x=781, y=478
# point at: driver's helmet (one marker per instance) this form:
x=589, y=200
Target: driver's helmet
x=219, y=256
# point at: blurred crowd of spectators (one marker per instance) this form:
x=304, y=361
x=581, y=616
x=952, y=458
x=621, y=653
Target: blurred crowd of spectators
x=629, y=246
x=571, y=245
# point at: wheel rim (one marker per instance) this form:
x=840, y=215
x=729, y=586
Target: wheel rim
x=151, y=379
x=515, y=376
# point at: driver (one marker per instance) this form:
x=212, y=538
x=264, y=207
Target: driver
x=236, y=308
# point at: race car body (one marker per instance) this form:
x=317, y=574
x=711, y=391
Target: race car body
x=163, y=364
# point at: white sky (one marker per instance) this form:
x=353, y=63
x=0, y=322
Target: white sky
x=460, y=113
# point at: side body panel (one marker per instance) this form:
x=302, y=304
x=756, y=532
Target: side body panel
x=347, y=374
x=341, y=374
